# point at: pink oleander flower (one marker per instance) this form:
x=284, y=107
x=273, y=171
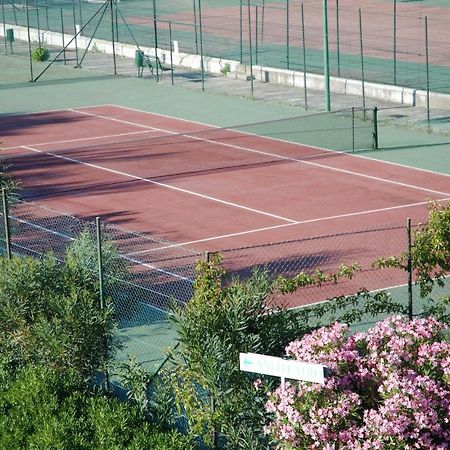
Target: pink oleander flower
x=389, y=389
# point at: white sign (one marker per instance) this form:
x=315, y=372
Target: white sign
x=284, y=368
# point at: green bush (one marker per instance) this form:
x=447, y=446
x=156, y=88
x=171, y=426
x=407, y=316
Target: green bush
x=218, y=323
x=47, y=318
x=40, y=54
x=44, y=409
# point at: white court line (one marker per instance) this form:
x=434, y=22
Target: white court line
x=286, y=158
x=352, y=155
x=300, y=222
x=127, y=258
x=157, y=183
x=67, y=141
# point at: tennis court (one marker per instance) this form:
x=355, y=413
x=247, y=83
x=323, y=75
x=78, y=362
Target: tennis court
x=208, y=188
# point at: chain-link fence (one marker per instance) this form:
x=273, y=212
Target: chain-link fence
x=141, y=296
x=386, y=43
x=159, y=273
x=328, y=254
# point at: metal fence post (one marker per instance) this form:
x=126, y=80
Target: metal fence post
x=353, y=128
x=4, y=27
x=38, y=23
x=362, y=62
x=75, y=31
x=29, y=41
x=155, y=31
x=100, y=288
x=99, y=259
x=326, y=55
x=395, y=41
x=6, y=221
x=195, y=26
x=287, y=35
x=202, y=62
x=240, y=31
x=171, y=53
x=305, y=90
x=338, y=54
x=427, y=63
x=250, y=45
x=113, y=38
x=63, y=37
x=409, y=269
x=375, y=128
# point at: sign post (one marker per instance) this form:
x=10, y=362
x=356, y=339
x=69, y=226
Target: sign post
x=283, y=368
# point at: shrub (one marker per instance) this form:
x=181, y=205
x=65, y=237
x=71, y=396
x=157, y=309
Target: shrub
x=388, y=388
x=220, y=321
x=44, y=409
x=47, y=320
x=40, y=54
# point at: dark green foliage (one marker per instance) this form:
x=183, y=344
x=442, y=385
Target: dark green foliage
x=216, y=325
x=44, y=409
x=82, y=262
x=46, y=318
x=40, y=54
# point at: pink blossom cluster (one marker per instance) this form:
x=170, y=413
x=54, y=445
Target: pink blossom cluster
x=388, y=389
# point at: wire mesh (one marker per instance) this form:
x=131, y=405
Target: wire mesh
x=328, y=253
x=394, y=41
x=158, y=275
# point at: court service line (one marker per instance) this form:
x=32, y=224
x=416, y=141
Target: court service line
x=157, y=183
x=67, y=141
x=286, y=158
x=300, y=222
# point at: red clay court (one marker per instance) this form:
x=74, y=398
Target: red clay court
x=204, y=187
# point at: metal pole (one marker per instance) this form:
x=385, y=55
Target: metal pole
x=80, y=14
x=100, y=288
x=29, y=42
x=410, y=298
x=155, y=30
x=240, y=31
x=375, y=128
x=75, y=31
x=171, y=53
x=250, y=45
x=99, y=261
x=63, y=37
x=14, y=10
x=6, y=220
x=395, y=41
x=326, y=55
x=195, y=26
x=262, y=20
x=353, y=128
x=38, y=23
x=4, y=27
x=116, y=20
x=287, y=34
x=256, y=34
x=304, y=59
x=427, y=63
x=46, y=15
x=362, y=63
x=201, y=44
x=112, y=38
x=338, y=53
